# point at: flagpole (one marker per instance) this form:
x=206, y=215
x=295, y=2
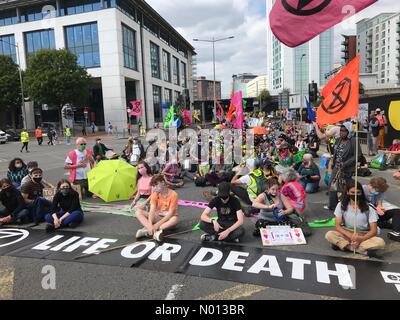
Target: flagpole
x=356, y=183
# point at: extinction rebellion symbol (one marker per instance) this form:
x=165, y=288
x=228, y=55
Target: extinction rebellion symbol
x=136, y=107
x=296, y=7
x=11, y=236
x=341, y=96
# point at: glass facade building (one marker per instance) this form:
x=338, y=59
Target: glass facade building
x=155, y=60
x=157, y=104
x=83, y=41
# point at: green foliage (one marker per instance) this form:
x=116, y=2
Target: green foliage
x=264, y=98
x=55, y=78
x=10, y=86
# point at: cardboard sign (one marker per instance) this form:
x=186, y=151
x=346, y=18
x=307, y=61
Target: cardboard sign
x=282, y=236
x=49, y=193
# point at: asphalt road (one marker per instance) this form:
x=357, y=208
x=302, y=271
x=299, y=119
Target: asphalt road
x=21, y=278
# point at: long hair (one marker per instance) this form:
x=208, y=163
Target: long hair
x=148, y=169
x=12, y=167
x=362, y=200
x=62, y=182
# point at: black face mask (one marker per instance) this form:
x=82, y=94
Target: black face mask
x=37, y=180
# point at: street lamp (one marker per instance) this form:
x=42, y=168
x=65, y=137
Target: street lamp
x=213, y=41
x=301, y=89
x=20, y=79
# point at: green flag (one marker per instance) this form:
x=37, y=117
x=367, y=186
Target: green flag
x=244, y=103
x=169, y=117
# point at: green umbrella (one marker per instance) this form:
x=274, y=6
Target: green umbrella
x=113, y=180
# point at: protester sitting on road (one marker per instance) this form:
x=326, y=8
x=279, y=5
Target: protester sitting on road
x=375, y=194
x=229, y=226
x=274, y=206
x=254, y=184
x=309, y=174
x=33, y=165
x=127, y=152
x=172, y=174
x=99, y=150
x=285, y=155
x=293, y=191
x=17, y=170
x=32, y=192
x=14, y=205
x=143, y=184
x=163, y=214
x=393, y=154
x=348, y=211
x=66, y=209
x=79, y=162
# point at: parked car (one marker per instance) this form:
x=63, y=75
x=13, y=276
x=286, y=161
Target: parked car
x=3, y=137
x=12, y=135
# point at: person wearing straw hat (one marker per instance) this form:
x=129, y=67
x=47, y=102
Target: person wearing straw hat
x=354, y=214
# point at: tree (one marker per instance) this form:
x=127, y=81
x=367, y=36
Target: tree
x=54, y=77
x=264, y=98
x=10, y=87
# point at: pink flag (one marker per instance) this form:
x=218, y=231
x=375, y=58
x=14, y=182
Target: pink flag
x=186, y=116
x=136, y=108
x=238, y=103
x=295, y=22
x=220, y=111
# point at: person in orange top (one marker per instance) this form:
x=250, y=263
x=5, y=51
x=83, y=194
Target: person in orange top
x=163, y=212
x=39, y=135
x=382, y=124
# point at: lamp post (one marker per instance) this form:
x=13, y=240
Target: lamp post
x=301, y=87
x=213, y=41
x=20, y=80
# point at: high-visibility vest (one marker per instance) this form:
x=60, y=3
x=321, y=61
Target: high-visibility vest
x=24, y=136
x=68, y=132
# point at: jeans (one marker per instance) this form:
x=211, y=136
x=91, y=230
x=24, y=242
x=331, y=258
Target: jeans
x=374, y=147
x=23, y=215
x=209, y=229
x=74, y=217
x=68, y=139
x=310, y=187
x=38, y=209
x=394, y=215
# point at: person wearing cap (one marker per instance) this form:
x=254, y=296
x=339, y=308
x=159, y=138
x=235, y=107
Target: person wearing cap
x=382, y=124
x=79, y=162
x=343, y=163
x=32, y=192
x=229, y=226
x=99, y=150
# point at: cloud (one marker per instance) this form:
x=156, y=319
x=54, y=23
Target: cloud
x=205, y=19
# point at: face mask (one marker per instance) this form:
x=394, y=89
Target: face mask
x=82, y=148
x=353, y=197
x=157, y=189
x=374, y=192
x=18, y=166
x=37, y=180
x=143, y=171
x=64, y=192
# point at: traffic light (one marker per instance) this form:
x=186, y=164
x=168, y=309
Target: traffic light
x=313, y=92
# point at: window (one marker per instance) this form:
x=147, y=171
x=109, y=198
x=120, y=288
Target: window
x=176, y=96
x=155, y=60
x=37, y=40
x=175, y=70
x=8, y=17
x=183, y=74
x=83, y=41
x=79, y=6
x=383, y=66
x=168, y=96
x=129, y=47
x=7, y=47
x=166, y=66
x=157, y=104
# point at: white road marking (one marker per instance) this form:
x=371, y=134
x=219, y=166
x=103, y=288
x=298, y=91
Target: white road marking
x=173, y=293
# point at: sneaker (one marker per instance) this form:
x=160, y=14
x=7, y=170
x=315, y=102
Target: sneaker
x=73, y=225
x=207, y=237
x=141, y=233
x=158, y=236
x=335, y=247
x=50, y=228
x=374, y=254
x=394, y=235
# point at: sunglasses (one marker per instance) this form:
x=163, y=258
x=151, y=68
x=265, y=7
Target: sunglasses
x=83, y=144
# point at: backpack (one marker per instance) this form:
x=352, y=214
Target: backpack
x=379, y=162
x=200, y=181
